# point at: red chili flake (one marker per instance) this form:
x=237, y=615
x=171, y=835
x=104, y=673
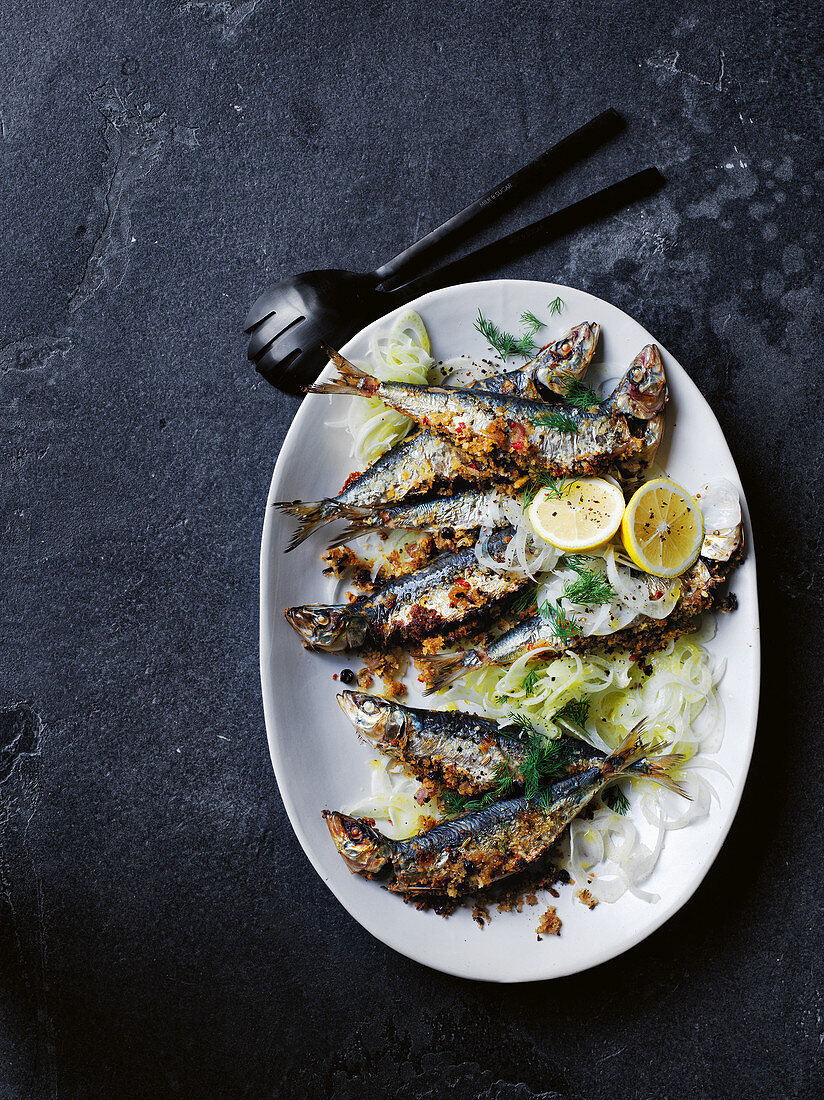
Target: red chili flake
x=462, y=583
x=460, y=427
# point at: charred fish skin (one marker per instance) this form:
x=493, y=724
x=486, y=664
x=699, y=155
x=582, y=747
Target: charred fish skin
x=466, y=853
x=452, y=589
x=508, y=433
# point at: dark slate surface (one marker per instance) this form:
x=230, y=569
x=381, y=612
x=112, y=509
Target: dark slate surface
x=161, y=933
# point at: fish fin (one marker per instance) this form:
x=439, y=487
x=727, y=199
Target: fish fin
x=359, y=522
x=657, y=769
x=312, y=514
x=351, y=379
x=442, y=669
x=631, y=749
x=353, y=531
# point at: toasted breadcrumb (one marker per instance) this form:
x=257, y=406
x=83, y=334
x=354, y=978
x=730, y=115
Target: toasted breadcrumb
x=549, y=924
x=480, y=914
x=588, y=900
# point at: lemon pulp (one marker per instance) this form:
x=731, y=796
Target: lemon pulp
x=578, y=515
x=662, y=528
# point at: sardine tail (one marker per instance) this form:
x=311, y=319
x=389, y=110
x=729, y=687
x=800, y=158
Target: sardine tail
x=631, y=749
x=312, y=514
x=657, y=768
x=361, y=522
x=350, y=379
x=442, y=669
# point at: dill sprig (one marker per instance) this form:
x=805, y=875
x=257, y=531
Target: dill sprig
x=504, y=342
x=545, y=761
x=591, y=588
x=544, y=799
x=527, y=599
x=574, y=710
x=531, y=322
x=564, y=627
x=522, y=724
x=616, y=800
x=557, y=421
x=556, y=307
x=578, y=562
x=579, y=395
x=530, y=682
x=455, y=805
x=553, y=487
x=504, y=782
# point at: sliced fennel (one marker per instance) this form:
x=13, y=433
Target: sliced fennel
x=402, y=354
x=678, y=702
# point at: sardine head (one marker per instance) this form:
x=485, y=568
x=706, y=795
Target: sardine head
x=566, y=358
x=642, y=392
x=374, y=718
x=363, y=847
x=327, y=627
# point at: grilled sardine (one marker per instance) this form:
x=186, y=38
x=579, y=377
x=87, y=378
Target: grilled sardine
x=507, y=433
x=452, y=589
x=466, y=853
x=417, y=464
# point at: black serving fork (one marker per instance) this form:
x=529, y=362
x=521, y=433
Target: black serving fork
x=292, y=319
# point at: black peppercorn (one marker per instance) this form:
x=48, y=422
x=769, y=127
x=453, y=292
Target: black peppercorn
x=347, y=676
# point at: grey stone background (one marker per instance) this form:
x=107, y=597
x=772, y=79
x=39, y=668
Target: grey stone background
x=161, y=933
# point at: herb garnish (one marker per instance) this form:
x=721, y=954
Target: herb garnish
x=579, y=395
x=455, y=804
x=564, y=627
x=556, y=306
x=531, y=322
x=574, y=710
x=544, y=762
x=530, y=682
x=528, y=598
x=615, y=799
x=504, y=342
x=557, y=420
x=591, y=587
x=543, y=481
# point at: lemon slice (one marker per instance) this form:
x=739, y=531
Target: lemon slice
x=579, y=515
x=662, y=528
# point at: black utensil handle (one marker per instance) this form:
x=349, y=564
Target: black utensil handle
x=506, y=194
x=526, y=240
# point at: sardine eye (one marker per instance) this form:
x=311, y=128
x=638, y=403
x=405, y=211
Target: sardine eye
x=369, y=706
x=637, y=374
x=354, y=832
x=322, y=619
x=565, y=348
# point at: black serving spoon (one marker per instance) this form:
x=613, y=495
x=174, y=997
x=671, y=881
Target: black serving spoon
x=289, y=322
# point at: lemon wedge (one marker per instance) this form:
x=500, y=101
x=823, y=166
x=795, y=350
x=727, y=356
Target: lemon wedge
x=662, y=528
x=579, y=515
